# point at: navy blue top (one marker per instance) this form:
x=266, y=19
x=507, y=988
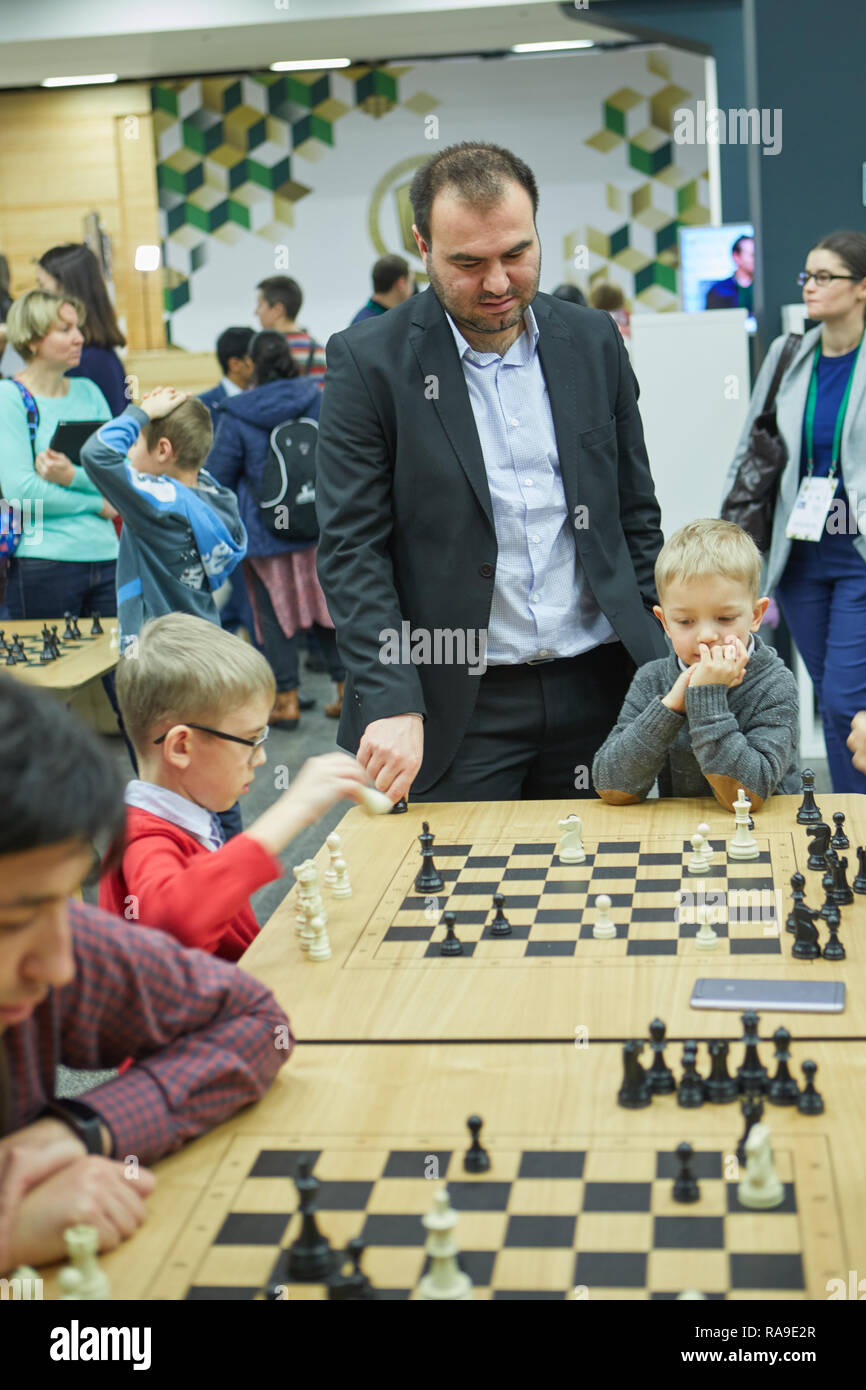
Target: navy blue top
x=833, y=374
x=103, y=366
x=371, y=310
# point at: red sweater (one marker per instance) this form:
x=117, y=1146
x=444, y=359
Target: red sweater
x=200, y=896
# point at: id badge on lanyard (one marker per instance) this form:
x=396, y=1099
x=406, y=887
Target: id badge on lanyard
x=815, y=498
x=809, y=513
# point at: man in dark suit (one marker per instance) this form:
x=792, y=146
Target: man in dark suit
x=488, y=519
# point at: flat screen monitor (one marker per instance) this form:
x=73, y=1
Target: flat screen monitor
x=717, y=268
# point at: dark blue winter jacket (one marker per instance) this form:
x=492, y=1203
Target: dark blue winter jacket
x=243, y=427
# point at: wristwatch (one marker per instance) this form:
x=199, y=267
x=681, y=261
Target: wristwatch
x=80, y=1118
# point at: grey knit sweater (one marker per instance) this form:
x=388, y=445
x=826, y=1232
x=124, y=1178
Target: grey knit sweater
x=748, y=732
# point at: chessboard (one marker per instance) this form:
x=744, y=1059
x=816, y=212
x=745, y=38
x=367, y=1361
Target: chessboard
x=553, y=1218
x=79, y=659
x=551, y=906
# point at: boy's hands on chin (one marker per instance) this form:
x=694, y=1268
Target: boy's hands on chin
x=724, y=664
x=676, y=696
x=161, y=401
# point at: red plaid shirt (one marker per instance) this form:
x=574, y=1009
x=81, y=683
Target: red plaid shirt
x=206, y=1038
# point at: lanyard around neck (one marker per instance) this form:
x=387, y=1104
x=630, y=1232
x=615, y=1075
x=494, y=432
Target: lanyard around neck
x=811, y=403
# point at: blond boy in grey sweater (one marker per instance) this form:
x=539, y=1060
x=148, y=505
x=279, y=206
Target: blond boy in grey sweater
x=719, y=713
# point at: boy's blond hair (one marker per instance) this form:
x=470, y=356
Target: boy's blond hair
x=34, y=314
x=709, y=547
x=189, y=431
x=183, y=668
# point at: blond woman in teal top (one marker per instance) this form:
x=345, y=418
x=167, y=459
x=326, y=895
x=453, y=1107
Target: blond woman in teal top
x=66, y=559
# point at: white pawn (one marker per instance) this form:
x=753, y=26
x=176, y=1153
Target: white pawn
x=83, y=1279
x=760, y=1188
x=698, y=862
x=319, y=945
x=342, y=887
x=571, y=849
x=704, y=830
x=333, y=843
x=706, y=939
x=446, y=1280
x=604, y=927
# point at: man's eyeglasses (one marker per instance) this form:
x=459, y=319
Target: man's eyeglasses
x=217, y=733
x=821, y=277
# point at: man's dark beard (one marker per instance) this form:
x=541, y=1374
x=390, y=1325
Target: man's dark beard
x=493, y=327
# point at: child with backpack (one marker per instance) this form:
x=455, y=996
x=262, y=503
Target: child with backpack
x=264, y=449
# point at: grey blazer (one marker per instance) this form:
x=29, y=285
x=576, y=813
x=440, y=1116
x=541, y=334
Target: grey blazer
x=790, y=409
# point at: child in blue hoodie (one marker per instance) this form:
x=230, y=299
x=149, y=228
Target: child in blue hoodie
x=182, y=533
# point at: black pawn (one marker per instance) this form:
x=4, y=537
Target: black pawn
x=96, y=628
x=752, y=1107
x=751, y=1074
x=834, y=950
x=399, y=807
x=476, y=1159
x=634, y=1093
x=451, y=946
x=11, y=658
x=76, y=631
x=808, y=813
x=859, y=884
x=842, y=894
x=798, y=893
x=690, y=1092
x=720, y=1088
x=660, y=1077
x=500, y=926
x=783, y=1089
x=829, y=910
x=806, y=940
x=428, y=879
x=810, y=1102
x=840, y=839
x=819, y=843
x=686, y=1187
x=69, y=634
x=353, y=1287
x=310, y=1258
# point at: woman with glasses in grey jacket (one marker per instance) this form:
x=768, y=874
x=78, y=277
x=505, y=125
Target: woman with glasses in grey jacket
x=816, y=563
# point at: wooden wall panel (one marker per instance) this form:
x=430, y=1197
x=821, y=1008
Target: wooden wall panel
x=66, y=153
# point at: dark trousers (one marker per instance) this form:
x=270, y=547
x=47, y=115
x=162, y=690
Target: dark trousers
x=50, y=588
x=822, y=594
x=282, y=652
x=535, y=729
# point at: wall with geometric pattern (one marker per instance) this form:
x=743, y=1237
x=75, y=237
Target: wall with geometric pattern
x=308, y=174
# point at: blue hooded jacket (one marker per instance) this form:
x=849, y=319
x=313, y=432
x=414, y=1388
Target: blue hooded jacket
x=242, y=443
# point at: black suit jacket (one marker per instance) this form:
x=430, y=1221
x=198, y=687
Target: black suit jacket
x=404, y=507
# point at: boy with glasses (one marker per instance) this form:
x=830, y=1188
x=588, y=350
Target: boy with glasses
x=195, y=701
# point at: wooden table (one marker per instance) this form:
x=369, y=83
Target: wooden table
x=377, y=987
x=79, y=663
x=360, y=1105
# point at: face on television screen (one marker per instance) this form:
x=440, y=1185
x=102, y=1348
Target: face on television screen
x=717, y=269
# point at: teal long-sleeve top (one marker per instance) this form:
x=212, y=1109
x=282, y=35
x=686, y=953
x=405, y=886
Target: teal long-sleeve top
x=60, y=523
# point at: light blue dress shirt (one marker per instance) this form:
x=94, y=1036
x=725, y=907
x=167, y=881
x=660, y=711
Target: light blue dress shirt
x=170, y=806
x=542, y=604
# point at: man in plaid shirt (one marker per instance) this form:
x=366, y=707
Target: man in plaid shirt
x=87, y=989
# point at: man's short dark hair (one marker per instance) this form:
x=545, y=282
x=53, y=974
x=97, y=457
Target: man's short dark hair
x=59, y=783
x=282, y=289
x=477, y=172
x=570, y=293
x=232, y=342
x=739, y=241
x=387, y=271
